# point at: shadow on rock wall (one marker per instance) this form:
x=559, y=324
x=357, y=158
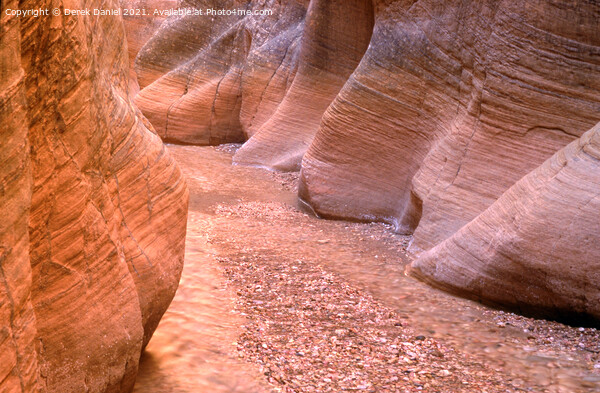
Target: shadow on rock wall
x=420, y=113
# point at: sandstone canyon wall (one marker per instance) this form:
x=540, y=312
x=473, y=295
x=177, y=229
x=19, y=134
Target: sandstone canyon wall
x=140, y=28
x=195, y=69
x=211, y=80
x=94, y=208
x=336, y=35
x=19, y=370
x=535, y=248
x=420, y=113
x=453, y=103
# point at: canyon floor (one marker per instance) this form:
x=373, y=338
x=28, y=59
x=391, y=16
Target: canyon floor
x=273, y=299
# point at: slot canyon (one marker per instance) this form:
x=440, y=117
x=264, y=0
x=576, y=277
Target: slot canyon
x=299, y=196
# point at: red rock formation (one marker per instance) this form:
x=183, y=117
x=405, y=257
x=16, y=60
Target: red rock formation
x=537, y=248
x=142, y=18
x=270, y=68
x=18, y=345
x=335, y=38
x=194, y=71
x=89, y=282
x=250, y=76
x=452, y=103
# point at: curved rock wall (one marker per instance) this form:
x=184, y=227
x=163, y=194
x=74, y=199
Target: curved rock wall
x=19, y=347
x=537, y=248
x=336, y=35
x=451, y=103
x=106, y=223
x=270, y=67
x=140, y=28
x=194, y=70
x=238, y=77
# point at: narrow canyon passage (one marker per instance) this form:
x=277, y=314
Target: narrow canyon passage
x=273, y=299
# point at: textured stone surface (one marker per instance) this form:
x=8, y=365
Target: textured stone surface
x=537, y=248
x=417, y=113
x=211, y=80
x=195, y=70
x=19, y=370
x=452, y=103
x=141, y=27
x=335, y=38
x=106, y=219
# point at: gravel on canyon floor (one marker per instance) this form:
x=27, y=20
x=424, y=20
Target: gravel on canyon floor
x=310, y=331
x=325, y=305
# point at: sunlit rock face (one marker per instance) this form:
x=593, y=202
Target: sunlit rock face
x=537, y=248
x=94, y=208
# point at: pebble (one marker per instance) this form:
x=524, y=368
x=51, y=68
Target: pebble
x=362, y=345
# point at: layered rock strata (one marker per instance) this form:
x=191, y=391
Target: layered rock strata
x=416, y=113
x=195, y=70
x=92, y=248
x=537, y=248
x=336, y=35
x=264, y=77
x=453, y=103
x=450, y=105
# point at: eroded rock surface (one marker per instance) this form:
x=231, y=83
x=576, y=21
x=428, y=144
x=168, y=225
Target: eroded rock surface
x=264, y=77
x=451, y=105
x=94, y=208
x=142, y=18
x=416, y=113
x=19, y=369
x=537, y=248
x=335, y=38
x=191, y=71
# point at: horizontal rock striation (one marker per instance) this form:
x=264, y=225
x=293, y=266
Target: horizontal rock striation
x=537, y=248
x=264, y=77
x=452, y=103
x=194, y=70
x=416, y=113
x=94, y=208
x=336, y=35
